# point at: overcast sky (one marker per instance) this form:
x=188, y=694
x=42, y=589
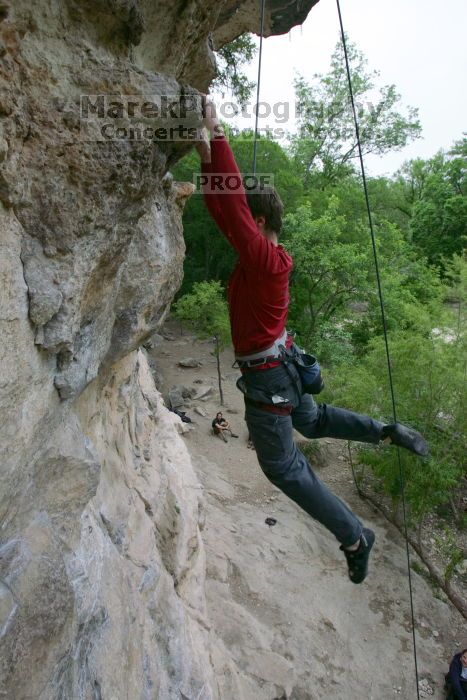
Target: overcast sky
x=419, y=45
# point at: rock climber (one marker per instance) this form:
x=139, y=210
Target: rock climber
x=275, y=401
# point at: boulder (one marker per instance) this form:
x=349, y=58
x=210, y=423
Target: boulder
x=176, y=396
x=203, y=391
x=189, y=362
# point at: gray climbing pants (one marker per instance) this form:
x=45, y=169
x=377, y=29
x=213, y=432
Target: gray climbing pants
x=287, y=467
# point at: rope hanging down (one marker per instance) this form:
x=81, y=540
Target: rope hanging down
x=255, y=138
x=383, y=318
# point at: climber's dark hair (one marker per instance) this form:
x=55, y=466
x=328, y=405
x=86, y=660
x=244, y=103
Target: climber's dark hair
x=263, y=200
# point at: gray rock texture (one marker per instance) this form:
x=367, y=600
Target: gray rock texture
x=102, y=566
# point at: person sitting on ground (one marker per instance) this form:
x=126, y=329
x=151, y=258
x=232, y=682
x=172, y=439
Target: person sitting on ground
x=456, y=678
x=220, y=426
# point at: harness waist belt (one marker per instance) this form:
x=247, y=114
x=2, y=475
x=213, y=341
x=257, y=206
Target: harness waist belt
x=274, y=352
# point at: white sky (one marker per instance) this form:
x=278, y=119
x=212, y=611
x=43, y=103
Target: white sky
x=419, y=45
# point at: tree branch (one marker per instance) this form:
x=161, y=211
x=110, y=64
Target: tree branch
x=457, y=600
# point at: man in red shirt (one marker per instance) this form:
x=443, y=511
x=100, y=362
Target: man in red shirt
x=275, y=402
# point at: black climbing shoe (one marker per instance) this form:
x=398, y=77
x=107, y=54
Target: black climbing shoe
x=357, y=561
x=406, y=437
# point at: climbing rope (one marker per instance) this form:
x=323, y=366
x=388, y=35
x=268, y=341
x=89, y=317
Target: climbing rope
x=386, y=343
x=258, y=83
x=354, y=474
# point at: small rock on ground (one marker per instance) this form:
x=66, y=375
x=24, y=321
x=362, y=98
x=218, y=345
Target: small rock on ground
x=189, y=362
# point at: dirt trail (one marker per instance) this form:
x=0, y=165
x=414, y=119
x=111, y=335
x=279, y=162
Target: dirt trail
x=279, y=597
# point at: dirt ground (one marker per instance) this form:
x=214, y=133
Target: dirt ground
x=296, y=628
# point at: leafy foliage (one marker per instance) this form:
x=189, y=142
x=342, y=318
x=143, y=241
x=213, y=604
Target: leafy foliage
x=326, y=140
x=205, y=310
x=429, y=376
x=329, y=272
x=230, y=59
x=439, y=215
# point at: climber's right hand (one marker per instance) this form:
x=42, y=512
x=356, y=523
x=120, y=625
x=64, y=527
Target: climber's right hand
x=210, y=119
x=204, y=148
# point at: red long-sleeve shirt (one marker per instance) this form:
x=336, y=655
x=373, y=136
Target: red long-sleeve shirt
x=258, y=292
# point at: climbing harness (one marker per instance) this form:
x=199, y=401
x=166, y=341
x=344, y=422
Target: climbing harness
x=380, y=292
x=274, y=352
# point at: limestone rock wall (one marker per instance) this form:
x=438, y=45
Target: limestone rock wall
x=101, y=562
x=103, y=582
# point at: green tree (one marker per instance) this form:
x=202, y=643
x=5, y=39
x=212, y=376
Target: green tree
x=412, y=291
x=459, y=148
x=433, y=193
x=439, y=216
x=429, y=376
x=335, y=304
x=230, y=59
x=455, y=291
x=329, y=271
x=326, y=140
x=205, y=310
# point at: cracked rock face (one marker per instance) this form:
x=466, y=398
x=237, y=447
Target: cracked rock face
x=100, y=550
x=103, y=585
x=102, y=245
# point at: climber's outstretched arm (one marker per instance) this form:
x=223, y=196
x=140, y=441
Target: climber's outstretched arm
x=211, y=199
x=230, y=209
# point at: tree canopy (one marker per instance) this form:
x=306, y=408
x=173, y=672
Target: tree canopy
x=326, y=140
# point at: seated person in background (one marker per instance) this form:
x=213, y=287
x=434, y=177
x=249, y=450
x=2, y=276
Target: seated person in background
x=220, y=426
x=456, y=678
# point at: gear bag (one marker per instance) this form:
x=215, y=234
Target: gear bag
x=309, y=371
